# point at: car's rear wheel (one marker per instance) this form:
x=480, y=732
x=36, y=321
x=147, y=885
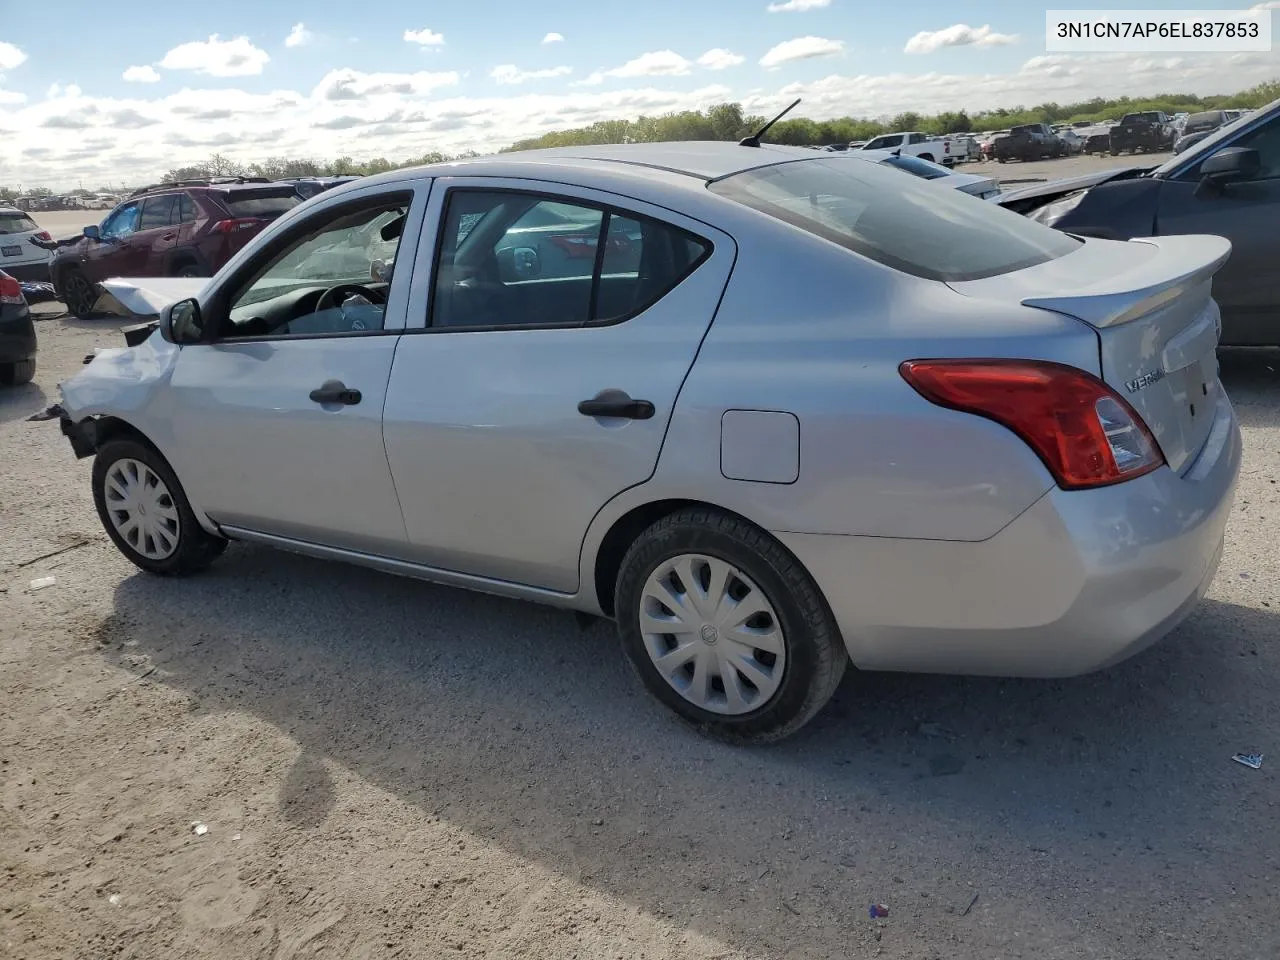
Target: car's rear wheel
x=726, y=628
x=146, y=513
x=190, y=270
x=79, y=294
x=17, y=373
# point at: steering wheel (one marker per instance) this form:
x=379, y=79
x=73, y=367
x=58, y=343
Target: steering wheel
x=331, y=297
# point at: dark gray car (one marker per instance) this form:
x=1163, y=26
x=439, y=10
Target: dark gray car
x=1228, y=184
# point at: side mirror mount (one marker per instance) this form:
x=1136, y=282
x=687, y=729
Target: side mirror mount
x=182, y=323
x=92, y=232
x=1230, y=165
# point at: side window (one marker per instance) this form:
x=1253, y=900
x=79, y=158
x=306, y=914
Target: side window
x=122, y=222
x=894, y=141
x=157, y=211
x=518, y=260
x=186, y=210
x=332, y=278
x=917, y=138
x=1265, y=139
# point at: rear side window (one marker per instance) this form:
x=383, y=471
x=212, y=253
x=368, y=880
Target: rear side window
x=898, y=221
x=260, y=205
x=511, y=259
x=16, y=223
x=186, y=210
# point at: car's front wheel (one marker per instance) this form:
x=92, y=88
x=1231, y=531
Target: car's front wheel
x=726, y=628
x=79, y=294
x=146, y=513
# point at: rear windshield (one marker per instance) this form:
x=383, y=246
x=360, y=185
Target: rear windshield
x=261, y=204
x=1140, y=117
x=16, y=223
x=902, y=222
x=925, y=169
x=1204, y=121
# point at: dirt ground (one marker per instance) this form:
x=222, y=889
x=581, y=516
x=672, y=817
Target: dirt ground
x=389, y=769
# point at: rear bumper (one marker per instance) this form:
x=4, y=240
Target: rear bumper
x=1080, y=581
x=27, y=271
x=17, y=334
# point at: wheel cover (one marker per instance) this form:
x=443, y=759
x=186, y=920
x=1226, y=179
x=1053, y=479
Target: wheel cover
x=141, y=509
x=712, y=634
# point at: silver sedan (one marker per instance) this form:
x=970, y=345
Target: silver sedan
x=773, y=411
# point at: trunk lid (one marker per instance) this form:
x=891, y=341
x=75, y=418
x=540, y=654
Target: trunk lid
x=1149, y=302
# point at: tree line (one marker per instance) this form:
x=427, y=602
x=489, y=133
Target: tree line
x=727, y=121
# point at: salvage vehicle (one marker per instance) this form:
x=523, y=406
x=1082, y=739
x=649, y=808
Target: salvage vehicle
x=1199, y=126
x=784, y=430
x=19, y=257
x=17, y=335
x=1028, y=141
x=985, y=188
x=1227, y=184
x=913, y=144
x=185, y=229
x=1147, y=132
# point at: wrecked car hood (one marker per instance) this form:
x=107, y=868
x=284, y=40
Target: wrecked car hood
x=1069, y=184
x=147, y=296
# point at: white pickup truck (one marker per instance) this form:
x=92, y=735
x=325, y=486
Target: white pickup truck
x=910, y=143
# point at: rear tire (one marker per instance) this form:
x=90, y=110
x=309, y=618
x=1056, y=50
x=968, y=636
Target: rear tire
x=189, y=270
x=146, y=513
x=752, y=703
x=18, y=373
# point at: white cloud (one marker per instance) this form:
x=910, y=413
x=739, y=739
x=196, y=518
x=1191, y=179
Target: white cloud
x=348, y=84
x=957, y=35
x=427, y=38
x=659, y=63
x=797, y=6
x=144, y=74
x=1269, y=5
x=70, y=91
x=509, y=73
x=553, y=38
x=801, y=48
x=8, y=97
x=217, y=58
x=299, y=36
x=10, y=56
x=720, y=59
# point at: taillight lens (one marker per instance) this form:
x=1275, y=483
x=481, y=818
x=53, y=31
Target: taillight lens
x=235, y=226
x=44, y=235
x=1082, y=429
x=10, y=290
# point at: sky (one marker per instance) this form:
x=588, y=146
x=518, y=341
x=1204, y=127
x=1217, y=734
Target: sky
x=99, y=94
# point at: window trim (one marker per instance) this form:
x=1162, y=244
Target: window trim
x=606, y=209
x=217, y=303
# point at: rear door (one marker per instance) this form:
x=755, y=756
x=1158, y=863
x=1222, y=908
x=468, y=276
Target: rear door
x=158, y=232
x=559, y=326
x=1248, y=214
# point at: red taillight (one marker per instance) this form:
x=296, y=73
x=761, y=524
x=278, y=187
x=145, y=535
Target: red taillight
x=10, y=290
x=1084, y=431
x=44, y=235
x=235, y=226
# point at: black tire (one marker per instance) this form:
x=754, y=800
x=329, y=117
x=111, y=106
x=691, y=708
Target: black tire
x=189, y=270
x=196, y=549
x=815, y=654
x=927, y=156
x=17, y=373
x=80, y=295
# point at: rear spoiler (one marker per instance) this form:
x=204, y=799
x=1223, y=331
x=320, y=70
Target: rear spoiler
x=1183, y=262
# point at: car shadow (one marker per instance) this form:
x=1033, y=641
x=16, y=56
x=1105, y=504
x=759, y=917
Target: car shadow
x=1252, y=376
x=514, y=724
x=18, y=403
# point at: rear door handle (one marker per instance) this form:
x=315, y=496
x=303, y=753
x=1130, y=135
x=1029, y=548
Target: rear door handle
x=169, y=236
x=335, y=391
x=616, y=403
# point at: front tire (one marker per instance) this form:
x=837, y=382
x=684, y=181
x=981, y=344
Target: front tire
x=145, y=512
x=726, y=628
x=80, y=295
x=17, y=373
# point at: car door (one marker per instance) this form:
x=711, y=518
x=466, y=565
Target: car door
x=545, y=369
x=158, y=231
x=114, y=253
x=278, y=416
x=1247, y=288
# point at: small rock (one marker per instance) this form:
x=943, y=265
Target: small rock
x=598, y=822
x=199, y=829
x=114, y=899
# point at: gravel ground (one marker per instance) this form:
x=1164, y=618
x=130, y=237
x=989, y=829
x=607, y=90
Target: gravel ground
x=1014, y=173
x=390, y=769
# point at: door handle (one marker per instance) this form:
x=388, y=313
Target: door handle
x=616, y=403
x=335, y=391
x=169, y=236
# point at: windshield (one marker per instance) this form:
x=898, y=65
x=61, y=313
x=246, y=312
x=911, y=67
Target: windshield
x=1203, y=121
x=261, y=205
x=897, y=221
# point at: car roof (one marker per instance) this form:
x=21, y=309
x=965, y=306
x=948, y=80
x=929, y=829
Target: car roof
x=694, y=162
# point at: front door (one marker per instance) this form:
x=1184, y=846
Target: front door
x=283, y=406
x=1247, y=214
x=116, y=254
x=562, y=324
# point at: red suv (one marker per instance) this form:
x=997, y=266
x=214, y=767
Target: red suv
x=185, y=229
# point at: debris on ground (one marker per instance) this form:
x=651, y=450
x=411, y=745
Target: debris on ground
x=114, y=899
x=41, y=582
x=1252, y=760
x=972, y=901
x=199, y=829
x=878, y=910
